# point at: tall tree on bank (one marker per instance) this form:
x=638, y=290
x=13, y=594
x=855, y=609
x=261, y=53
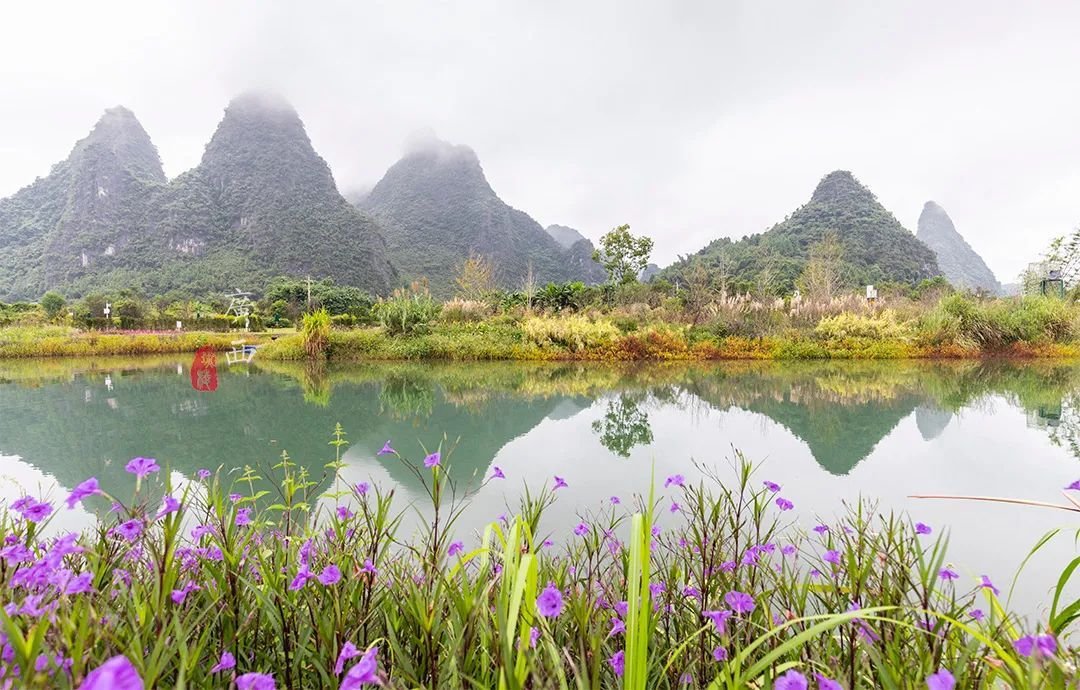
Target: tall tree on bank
x=823, y=276
x=622, y=255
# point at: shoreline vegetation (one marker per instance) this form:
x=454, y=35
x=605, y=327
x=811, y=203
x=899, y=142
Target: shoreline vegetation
x=411, y=325
x=316, y=584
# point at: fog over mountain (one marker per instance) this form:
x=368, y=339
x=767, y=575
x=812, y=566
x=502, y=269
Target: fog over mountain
x=690, y=121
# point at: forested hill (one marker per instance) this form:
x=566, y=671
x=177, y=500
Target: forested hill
x=260, y=203
x=961, y=265
x=81, y=219
x=876, y=248
x=437, y=209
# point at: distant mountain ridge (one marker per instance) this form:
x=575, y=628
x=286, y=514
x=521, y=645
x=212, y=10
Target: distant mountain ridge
x=876, y=247
x=960, y=264
x=437, y=208
x=564, y=235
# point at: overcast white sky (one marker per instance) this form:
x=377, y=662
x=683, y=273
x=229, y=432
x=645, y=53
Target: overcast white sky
x=688, y=120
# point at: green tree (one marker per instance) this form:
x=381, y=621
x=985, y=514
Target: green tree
x=53, y=303
x=622, y=255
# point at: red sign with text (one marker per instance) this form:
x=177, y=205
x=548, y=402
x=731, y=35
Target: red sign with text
x=204, y=369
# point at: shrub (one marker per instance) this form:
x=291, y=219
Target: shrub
x=408, y=310
x=560, y=296
x=464, y=310
x=995, y=324
x=848, y=326
x=575, y=333
x=316, y=331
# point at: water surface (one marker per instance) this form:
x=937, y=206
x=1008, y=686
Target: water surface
x=829, y=432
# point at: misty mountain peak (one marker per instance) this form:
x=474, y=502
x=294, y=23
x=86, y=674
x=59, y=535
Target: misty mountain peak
x=564, y=235
x=961, y=265
x=119, y=137
x=438, y=209
x=257, y=102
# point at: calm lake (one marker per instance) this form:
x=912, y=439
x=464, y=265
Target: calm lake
x=828, y=432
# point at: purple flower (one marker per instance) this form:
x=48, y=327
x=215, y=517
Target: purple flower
x=227, y=661
x=788, y=549
x=947, y=574
x=37, y=512
x=675, y=507
x=243, y=517
x=942, y=680
x=364, y=672
x=433, y=460
x=115, y=674
x=129, y=530
x=622, y=608
x=255, y=681
x=204, y=474
x=674, y=480
x=792, y=680
x=497, y=473
x=977, y=614
x=168, y=505
x=235, y=498
x=689, y=591
x=87, y=488
x=362, y=488
x=1075, y=486
x=832, y=556
x=1044, y=645
x=386, y=449
x=348, y=651
x=560, y=483
x=550, y=602
x=739, y=602
x=455, y=548
x=618, y=662
x=987, y=584
x=140, y=467
x=330, y=575
x=922, y=528
x=16, y=553
x=534, y=635
x=784, y=504
x=772, y=486
x=178, y=595
x=369, y=567
x=614, y=500
x=824, y=683
x=581, y=530
x=617, y=627
x=719, y=619
x=821, y=529
x=81, y=584
x=720, y=654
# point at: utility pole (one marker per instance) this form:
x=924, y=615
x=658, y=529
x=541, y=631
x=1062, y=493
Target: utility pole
x=309, y=293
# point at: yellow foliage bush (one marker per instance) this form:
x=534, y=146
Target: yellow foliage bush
x=848, y=326
x=574, y=333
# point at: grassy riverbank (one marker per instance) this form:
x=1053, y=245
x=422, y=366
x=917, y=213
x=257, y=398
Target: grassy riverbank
x=327, y=591
x=956, y=326
x=65, y=341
